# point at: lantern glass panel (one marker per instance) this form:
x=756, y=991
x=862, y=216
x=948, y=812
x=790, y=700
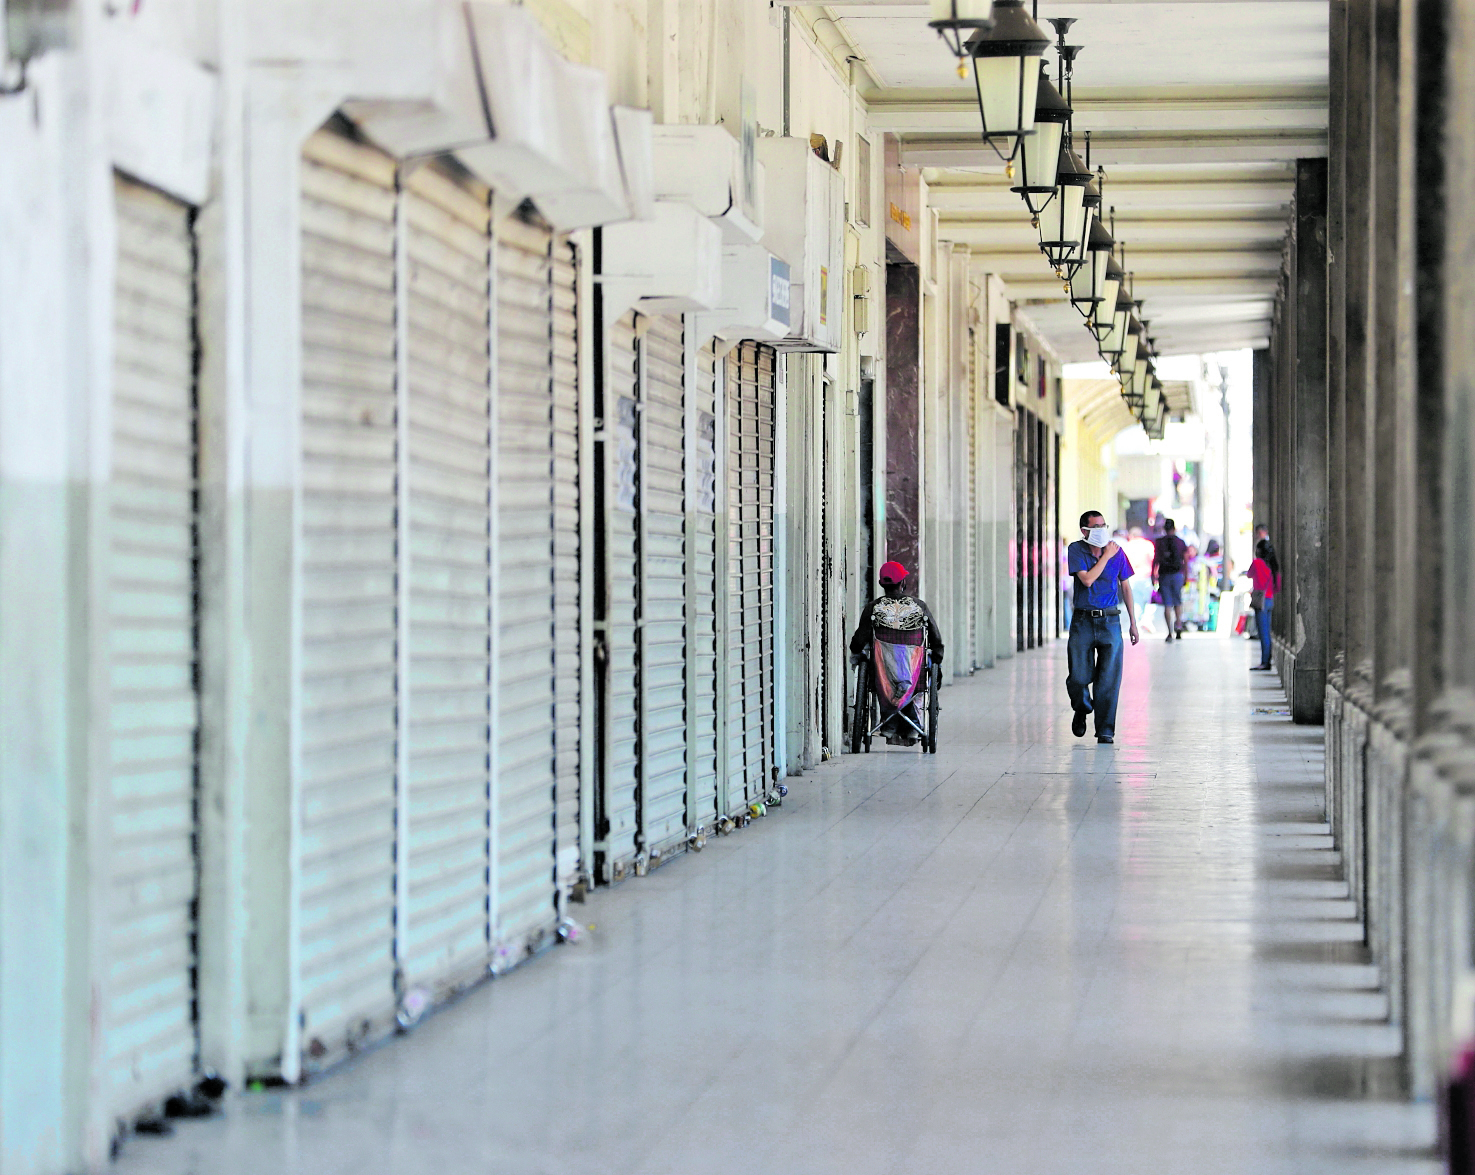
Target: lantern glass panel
x=1007, y=88
x=1040, y=157
x=1104, y=321
x=1129, y=352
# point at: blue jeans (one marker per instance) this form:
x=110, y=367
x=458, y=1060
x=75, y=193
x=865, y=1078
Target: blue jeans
x=1094, y=656
x=1262, y=624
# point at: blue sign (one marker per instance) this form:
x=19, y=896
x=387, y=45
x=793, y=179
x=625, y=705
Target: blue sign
x=778, y=290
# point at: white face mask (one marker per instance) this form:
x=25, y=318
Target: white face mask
x=1099, y=536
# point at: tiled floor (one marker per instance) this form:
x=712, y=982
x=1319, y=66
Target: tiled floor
x=1026, y=955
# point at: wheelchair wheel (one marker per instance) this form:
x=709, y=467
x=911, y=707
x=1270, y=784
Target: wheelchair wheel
x=860, y=723
x=933, y=708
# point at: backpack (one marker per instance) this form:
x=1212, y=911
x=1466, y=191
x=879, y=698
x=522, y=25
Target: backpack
x=1169, y=561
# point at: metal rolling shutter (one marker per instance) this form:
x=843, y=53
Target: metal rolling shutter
x=148, y=1022
x=663, y=587
x=618, y=798
x=750, y=506
x=447, y=726
x=971, y=525
x=761, y=761
x=567, y=579
x=701, y=623
x=525, y=904
x=349, y=700
x=734, y=793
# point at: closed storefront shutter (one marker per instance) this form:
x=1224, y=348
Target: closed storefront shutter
x=446, y=841
x=970, y=659
x=750, y=572
x=567, y=578
x=762, y=752
x=701, y=622
x=734, y=792
x=348, y=682
x=662, y=588
x=618, y=817
x=526, y=907
x=149, y=1030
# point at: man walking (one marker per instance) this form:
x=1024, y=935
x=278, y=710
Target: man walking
x=1169, y=561
x=1094, y=651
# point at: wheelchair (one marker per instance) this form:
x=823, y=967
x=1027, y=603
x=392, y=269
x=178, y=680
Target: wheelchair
x=866, y=717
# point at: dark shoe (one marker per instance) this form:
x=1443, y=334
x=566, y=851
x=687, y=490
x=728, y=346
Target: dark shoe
x=1170, y=638
x=1104, y=738
x=1078, y=724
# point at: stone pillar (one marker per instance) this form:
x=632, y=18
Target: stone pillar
x=903, y=413
x=1336, y=335
x=1261, y=454
x=1356, y=251
x=1434, y=625
x=1305, y=627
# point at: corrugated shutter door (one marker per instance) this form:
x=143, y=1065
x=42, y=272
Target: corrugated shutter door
x=760, y=764
x=701, y=624
x=349, y=704
x=525, y=902
x=149, y=1029
x=750, y=506
x=567, y=578
x=663, y=588
x=448, y=406
x=970, y=527
x=618, y=818
x=735, y=753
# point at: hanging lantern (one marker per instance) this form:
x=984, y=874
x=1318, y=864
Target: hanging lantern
x=1112, y=328
x=956, y=19
x=1108, y=312
x=1139, y=373
x=1062, y=224
x=1130, y=342
x=1005, y=77
x=1088, y=282
x=1039, y=154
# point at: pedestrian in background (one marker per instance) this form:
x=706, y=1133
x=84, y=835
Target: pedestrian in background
x=1169, y=562
x=1264, y=583
x=1139, y=551
x=1262, y=535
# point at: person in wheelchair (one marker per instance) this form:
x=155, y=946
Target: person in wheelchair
x=893, y=629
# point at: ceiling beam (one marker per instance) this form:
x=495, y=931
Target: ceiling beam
x=1243, y=147
x=1144, y=263
x=1014, y=231
x=1174, y=111
x=988, y=193
x=1044, y=286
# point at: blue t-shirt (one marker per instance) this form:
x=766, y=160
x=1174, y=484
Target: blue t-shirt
x=1102, y=593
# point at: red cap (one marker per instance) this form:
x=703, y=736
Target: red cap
x=892, y=572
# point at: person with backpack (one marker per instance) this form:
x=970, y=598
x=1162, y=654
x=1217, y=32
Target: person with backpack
x=1169, y=562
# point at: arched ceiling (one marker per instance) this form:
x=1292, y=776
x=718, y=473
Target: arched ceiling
x=1198, y=110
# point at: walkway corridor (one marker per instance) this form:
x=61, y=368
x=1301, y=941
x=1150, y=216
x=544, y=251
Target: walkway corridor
x=1024, y=956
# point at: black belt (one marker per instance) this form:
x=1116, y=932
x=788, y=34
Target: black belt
x=1098, y=611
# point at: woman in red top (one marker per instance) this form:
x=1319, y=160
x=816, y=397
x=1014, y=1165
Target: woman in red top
x=1265, y=581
